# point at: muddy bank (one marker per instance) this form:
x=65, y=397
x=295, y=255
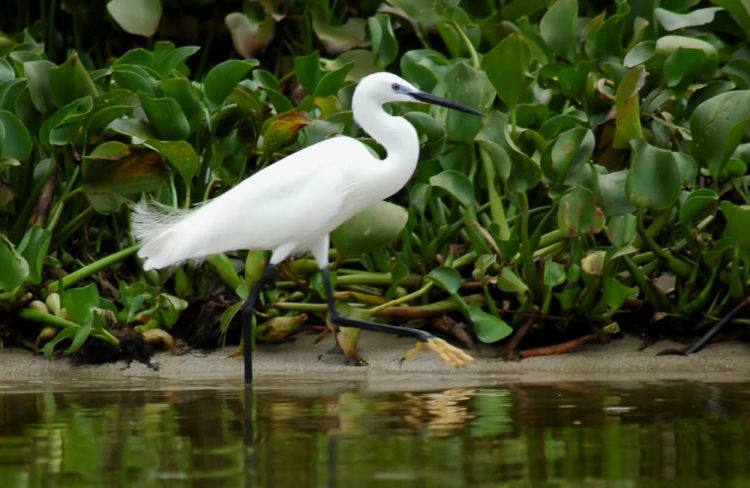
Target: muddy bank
x=303, y=360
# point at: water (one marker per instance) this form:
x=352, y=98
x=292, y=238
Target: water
x=329, y=434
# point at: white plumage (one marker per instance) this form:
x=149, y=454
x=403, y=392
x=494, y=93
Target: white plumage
x=290, y=206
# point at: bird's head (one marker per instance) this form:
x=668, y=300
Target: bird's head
x=387, y=87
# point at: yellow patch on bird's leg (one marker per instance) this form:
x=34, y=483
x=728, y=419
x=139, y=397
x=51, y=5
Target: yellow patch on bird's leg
x=447, y=352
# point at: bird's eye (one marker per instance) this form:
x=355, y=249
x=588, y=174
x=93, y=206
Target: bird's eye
x=396, y=87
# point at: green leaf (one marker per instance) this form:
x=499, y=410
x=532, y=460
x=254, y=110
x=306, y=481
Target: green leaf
x=506, y=65
x=80, y=303
x=615, y=294
x=14, y=267
x=134, y=78
x=424, y=67
x=6, y=71
x=113, y=167
x=510, y=282
x=179, y=154
x=639, y=54
x=135, y=128
x=70, y=81
x=457, y=185
x=332, y=82
x=307, y=69
x=628, y=115
x=621, y=229
x=15, y=140
x=525, y=172
x=168, y=59
x=66, y=124
x=612, y=193
x=340, y=38
x=554, y=274
x=65, y=333
x=33, y=247
x=569, y=150
x=654, y=180
x=250, y=35
x=487, y=327
x=81, y=334
x=224, y=76
x=37, y=76
x=739, y=11
x=558, y=27
x=183, y=91
x=432, y=134
x=687, y=64
x=672, y=21
x=370, y=229
x=499, y=157
x=738, y=227
x=605, y=35
x=384, y=43
x=467, y=86
x=140, y=17
x=166, y=116
x=578, y=214
x=717, y=126
x=448, y=278
x=362, y=60
x=700, y=203
x=419, y=196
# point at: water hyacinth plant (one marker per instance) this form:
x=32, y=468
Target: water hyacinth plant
x=605, y=188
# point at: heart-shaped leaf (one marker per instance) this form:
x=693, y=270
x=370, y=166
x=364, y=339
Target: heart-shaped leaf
x=672, y=21
x=369, y=230
x=578, y=213
x=448, y=278
x=456, y=184
x=718, y=125
x=628, y=115
x=487, y=327
x=654, y=180
x=558, y=27
x=506, y=65
x=140, y=17
x=384, y=43
x=14, y=266
x=15, y=140
x=224, y=76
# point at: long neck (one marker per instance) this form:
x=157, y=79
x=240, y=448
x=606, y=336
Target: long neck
x=396, y=135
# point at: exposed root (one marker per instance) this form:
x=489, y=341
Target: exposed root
x=445, y=351
x=510, y=351
x=563, y=348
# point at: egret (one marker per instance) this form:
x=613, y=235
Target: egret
x=291, y=206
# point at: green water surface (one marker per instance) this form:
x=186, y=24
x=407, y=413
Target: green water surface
x=326, y=433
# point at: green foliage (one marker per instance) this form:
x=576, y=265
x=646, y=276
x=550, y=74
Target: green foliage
x=614, y=153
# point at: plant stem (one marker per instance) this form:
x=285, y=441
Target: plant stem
x=496, y=203
x=55, y=321
x=92, y=268
x=469, y=46
x=406, y=298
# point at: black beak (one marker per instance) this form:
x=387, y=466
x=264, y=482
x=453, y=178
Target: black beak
x=426, y=97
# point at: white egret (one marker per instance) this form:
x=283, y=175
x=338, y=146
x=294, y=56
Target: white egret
x=291, y=206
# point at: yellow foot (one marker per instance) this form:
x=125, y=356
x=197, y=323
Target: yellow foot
x=448, y=353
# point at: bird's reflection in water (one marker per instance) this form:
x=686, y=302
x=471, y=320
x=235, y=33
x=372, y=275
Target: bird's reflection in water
x=338, y=435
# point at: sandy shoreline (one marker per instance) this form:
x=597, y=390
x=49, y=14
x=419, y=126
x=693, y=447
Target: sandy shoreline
x=300, y=361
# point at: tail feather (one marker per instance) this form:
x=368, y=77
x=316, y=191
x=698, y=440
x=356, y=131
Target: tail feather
x=161, y=232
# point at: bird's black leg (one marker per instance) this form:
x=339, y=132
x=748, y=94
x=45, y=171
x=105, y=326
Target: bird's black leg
x=448, y=353
x=698, y=345
x=339, y=319
x=269, y=274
